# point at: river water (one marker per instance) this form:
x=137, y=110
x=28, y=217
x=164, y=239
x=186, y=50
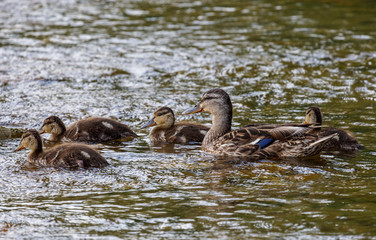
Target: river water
x=124, y=59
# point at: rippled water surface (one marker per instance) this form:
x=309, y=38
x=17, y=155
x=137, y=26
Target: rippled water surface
x=123, y=59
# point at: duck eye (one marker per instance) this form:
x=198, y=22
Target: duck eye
x=207, y=98
x=159, y=114
x=25, y=136
x=47, y=123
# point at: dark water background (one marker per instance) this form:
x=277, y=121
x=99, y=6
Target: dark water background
x=123, y=59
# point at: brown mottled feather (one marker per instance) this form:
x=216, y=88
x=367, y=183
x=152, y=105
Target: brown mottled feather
x=277, y=141
x=313, y=119
x=288, y=142
x=166, y=130
x=93, y=130
x=71, y=155
x=346, y=142
x=63, y=155
x=180, y=133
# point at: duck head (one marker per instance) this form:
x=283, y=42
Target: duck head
x=53, y=125
x=32, y=140
x=313, y=115
x=163, y=118
x=215, y=101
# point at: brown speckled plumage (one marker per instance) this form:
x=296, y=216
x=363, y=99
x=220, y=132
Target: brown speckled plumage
x=254, y=142
x=90, y=130
x=166, y=130
x=64, y=155
x=346, y=142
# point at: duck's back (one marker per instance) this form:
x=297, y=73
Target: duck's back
x=180, y=133
x=96, y=129
x=261, y=143
x=239, y=142
x=346, y=142
x=72, y=155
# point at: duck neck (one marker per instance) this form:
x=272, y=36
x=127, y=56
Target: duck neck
x=221, y=125
x=57, y=137
x=58, y=132
x=33, y=156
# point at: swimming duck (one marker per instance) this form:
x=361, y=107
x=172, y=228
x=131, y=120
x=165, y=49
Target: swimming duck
x=346, y=141
x=166, y=130
x=254, y=142
x=63, y=155
x=91, y=130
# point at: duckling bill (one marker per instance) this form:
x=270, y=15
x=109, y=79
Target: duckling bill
x=166, y=130
x=90, y=130
x=64, y=155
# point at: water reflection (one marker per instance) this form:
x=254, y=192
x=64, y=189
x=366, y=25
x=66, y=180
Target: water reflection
x=122, y=59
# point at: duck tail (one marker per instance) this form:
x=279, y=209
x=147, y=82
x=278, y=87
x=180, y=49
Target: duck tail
x=315, y=147
x=324, y=140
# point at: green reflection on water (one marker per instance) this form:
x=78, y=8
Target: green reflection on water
x=124, y=59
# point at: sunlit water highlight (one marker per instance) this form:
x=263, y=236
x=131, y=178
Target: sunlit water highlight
x=123, y=59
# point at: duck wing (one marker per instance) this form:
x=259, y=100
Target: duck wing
x=296, y=147
x=270, y=126
x=73, y=155
x=346, y=141
x=184, y=133
x=98, y=129
x=267, y=142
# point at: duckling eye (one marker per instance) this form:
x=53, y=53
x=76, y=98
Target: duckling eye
x=25, y=136
x=160, y=114
x=47, y=123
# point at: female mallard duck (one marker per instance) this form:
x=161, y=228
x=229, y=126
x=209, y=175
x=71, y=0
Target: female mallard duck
x=166, y=130
x=93, y=130
x=63, y=155
x=346, y=141
x=252, y=142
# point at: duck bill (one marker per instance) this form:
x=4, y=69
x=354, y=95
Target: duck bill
x=149, y=123
x=306, y=120
x=195, y=109
x=41, y=131
x=19, y=148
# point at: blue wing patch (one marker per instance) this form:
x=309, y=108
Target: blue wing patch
x=265, y=142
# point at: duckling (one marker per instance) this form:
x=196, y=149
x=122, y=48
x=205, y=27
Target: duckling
x=63, y=155
x=254, y=142
x=346, y=142
x=90, y=130
x=166, y=130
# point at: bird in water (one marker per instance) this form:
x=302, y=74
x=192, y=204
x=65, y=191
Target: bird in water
x=346, y=141
x=260, y=142
x=89, y=130
x=313, y=117
x=71, y=155
x=166, y=130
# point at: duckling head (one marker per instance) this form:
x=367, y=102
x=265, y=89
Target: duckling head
x=313, y=115
x=215, y=101
x=53, y=125
x=163, y=118
x=32, y=140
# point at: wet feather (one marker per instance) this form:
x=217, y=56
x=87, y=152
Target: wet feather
x=284, y=141
x=89, y=130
